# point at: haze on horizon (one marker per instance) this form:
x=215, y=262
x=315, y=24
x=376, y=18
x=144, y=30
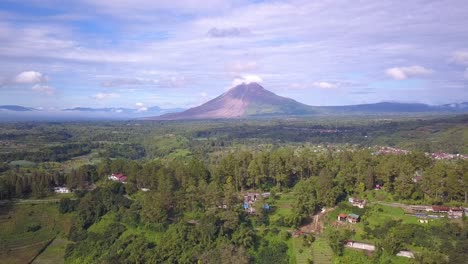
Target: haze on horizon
x=121, y=53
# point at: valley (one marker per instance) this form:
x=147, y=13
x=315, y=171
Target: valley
x=183, y=182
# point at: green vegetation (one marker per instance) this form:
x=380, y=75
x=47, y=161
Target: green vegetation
x=195, y=174
x=54, y=253
x=26, y=229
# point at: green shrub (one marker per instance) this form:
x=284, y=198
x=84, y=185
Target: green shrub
x=285, y=235
x=33, y=227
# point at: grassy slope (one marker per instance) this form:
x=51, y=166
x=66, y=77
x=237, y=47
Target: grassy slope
x=109, y=218
x=54, y=253
x=20, y=246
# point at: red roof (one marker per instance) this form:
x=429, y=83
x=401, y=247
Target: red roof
x=342, y=215
x=440, y=208
x=120, y=176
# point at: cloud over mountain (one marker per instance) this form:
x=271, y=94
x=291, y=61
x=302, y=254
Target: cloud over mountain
x=402, y=73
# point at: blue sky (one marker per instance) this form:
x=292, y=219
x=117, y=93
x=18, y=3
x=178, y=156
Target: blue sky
x=98, y=53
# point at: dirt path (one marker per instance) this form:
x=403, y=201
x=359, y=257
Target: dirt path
x=316, y=225
x=20, y=201
x=32, y=201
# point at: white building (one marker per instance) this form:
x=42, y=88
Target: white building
x=61, y=190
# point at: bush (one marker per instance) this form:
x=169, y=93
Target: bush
x=67, y=205
x=285, y=235
x=275, y=230
x=276, y=253
x=34, y=227
x=307, y=239
x=279, y=221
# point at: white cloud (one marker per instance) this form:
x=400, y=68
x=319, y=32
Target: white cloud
x=141, y=107
x=294, y=42
x=247, y=78
x=324, y=85
x=45, y=89
x=105, y=96
x=460, y=57
x=402, y=73
x=30, y=77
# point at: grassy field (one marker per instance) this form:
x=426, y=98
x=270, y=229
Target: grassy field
x=22, y=254
x=76, y=162
x=322, y=253
x=362, y=257
x=26, y=229
x=302, y=253
x=299, y=252
x=23, y=163
x=54, y=253
x=282, y=206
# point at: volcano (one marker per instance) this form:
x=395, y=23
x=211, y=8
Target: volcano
x=244, y=100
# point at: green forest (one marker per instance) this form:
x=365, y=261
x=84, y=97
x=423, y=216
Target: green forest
x=184, y=197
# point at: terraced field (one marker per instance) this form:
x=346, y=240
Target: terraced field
x=321, y=251
x=27, y=229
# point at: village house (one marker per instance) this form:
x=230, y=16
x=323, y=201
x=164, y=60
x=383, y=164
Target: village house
x=406, y=254
x=61, y=190
x=446, y=156
x=352, y=218
x=357, y=202
x=393, y=151
x=342, y=217
x=455, y=212
x=118, y=177
x=440, y=209
x=249, y=209
x=251, y=198
x=359, y=245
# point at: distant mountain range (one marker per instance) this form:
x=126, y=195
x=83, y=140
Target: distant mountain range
x=243, y=101
x=21, y=113
x=252, y=100
x=16, y=108
x=122, y=110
